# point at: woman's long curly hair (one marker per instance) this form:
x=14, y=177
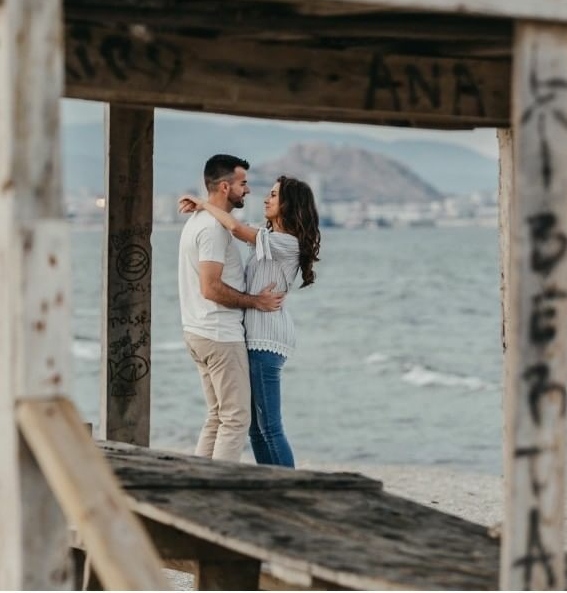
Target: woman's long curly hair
x=299, y=217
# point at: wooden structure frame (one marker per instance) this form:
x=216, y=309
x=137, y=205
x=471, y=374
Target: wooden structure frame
x=447, y=64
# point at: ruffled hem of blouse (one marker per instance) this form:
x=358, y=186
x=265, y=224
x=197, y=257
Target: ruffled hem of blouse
x=281, y=349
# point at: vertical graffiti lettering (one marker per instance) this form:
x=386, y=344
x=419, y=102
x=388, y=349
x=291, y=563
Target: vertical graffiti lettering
x=536, y=554
x=541, y=386
x=543, y=107
x=381, y=79
x=466, y=87
x=431, y=88
x=543, y=316
x=549, y=244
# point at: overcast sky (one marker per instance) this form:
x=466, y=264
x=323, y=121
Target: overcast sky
x=482, y=139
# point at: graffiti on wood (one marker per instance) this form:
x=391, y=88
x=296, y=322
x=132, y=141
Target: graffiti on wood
x=544, y=391
x=129, y=317
x=418, y=85
x=185, y=67
x=121, y=55
x=545, y=112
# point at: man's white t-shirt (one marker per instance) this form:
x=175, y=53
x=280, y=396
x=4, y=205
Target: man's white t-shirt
x=205, y=239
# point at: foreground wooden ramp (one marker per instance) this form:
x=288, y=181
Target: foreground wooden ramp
x=314, y=529
x=119, y=549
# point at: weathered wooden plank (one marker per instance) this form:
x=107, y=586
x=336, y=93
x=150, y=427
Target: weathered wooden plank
x=505, y=225
x=34, y=287
x=139, y=467
x=127, y=273
x=533, y=528
x=551, y=10
x=285, y=23
x=120, y=550
x=505, y=202
x=277, y=80
x=356, y=539
x=174, y=544
x=359, y=538
x=506, y=212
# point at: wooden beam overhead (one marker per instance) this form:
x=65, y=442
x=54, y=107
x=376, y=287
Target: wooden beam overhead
x=140, y=67
x=544, y=10
x=264, y=23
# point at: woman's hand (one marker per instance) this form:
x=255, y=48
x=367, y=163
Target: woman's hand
x=189, y=203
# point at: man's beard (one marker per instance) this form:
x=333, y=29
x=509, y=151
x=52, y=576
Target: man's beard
x=237, y=201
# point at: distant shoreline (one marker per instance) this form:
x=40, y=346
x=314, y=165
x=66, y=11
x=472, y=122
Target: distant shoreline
x=441, y=224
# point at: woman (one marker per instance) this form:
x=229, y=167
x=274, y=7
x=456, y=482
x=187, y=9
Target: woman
x=289, y=242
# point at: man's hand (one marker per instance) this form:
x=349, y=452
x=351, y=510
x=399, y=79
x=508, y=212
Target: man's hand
x=189, y=203
x=268, y=301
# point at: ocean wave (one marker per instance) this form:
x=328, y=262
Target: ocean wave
x=423, y=377
x=376, y=357
x=85, y=349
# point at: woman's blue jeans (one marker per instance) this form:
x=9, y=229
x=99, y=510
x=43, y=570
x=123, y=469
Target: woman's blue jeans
x=267, y=436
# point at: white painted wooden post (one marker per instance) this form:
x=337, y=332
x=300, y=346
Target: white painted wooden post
x=532, y=550
x=127, y=274
x=34, y=286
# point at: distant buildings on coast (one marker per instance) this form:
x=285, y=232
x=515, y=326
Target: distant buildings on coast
x=478, y=208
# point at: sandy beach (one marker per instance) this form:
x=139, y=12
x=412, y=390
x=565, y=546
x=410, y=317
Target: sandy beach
x=472, y=496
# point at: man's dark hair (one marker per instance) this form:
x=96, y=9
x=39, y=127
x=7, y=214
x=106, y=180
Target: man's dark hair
x=220, y=167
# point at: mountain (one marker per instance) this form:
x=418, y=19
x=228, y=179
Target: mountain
x=182, y=145
x=346, y=174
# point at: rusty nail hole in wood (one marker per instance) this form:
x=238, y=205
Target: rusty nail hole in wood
x=52, y=260
x=44, y=306
x=56, y=379
x=39, y=326
x=8, y=185
x=59, y=298
x=28, y=242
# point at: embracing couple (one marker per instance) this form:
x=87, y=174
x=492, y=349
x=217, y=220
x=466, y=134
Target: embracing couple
x=235, y=322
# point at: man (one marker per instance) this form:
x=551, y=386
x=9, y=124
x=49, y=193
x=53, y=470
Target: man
x=212, y=298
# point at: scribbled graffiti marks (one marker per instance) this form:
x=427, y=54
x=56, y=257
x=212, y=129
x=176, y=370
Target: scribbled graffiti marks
x=132, y=263
x=544, y=107
x=141, y=232
x=121, y=55
x=125, y=373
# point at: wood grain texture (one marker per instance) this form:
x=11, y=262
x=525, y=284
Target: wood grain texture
x=506, y=210
x=140, y=467
x=533, y=527
x=282, y=80
x=553, y=10
x=34, y=287
x=349, y=534
x=127, y=275
x=119, y=549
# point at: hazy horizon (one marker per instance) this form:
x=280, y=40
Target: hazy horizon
x=483, y=140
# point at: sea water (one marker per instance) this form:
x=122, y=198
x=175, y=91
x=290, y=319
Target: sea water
x=398, y=357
